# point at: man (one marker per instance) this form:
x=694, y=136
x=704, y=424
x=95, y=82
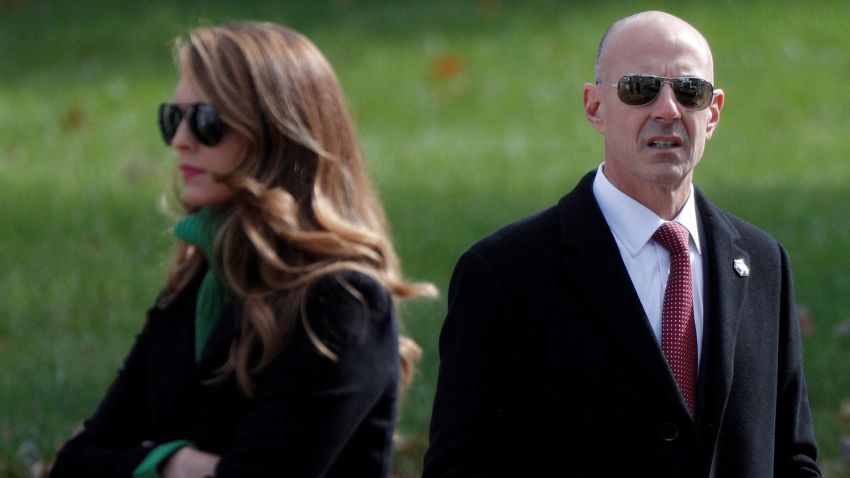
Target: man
x=581, y=342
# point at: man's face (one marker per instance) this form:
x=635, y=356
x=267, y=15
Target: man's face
x=660, y=143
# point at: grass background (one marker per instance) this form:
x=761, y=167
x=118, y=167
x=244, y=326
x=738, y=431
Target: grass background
x=470, y=115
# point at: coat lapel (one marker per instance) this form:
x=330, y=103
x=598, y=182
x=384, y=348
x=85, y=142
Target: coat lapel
x=217, y=347
x=593, y=264
x=724, y=295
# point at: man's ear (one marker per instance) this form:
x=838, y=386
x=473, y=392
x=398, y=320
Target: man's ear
x=592, y=106
x=714, y=110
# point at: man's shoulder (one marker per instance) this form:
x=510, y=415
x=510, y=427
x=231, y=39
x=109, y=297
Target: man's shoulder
x=534, y=230
x=516, y=254
x=540, y=235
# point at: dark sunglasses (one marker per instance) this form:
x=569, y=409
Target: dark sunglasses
x=203, y=119
x=638, y=89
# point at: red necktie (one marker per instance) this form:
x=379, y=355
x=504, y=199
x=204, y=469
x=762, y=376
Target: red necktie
x=678, y=331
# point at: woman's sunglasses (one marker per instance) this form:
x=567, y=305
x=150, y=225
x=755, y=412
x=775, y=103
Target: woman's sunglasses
x=203, y=119
x=638, y=89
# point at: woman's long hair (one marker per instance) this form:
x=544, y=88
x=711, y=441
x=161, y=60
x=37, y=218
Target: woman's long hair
x=304, y=204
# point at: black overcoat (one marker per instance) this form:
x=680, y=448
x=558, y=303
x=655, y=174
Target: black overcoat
x=549, y=367
x=310, y=416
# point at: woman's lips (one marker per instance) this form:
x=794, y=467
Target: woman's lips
x=189, y=172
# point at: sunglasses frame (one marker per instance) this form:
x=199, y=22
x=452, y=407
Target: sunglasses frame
x=622, y=90
x=209, y=133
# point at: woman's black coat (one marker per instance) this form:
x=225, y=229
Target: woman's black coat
x=310, y=416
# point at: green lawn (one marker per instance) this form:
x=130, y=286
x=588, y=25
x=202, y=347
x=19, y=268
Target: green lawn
x=470, y=115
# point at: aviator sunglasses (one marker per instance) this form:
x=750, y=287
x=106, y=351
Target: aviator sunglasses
x=203, y=119
x=637, y=89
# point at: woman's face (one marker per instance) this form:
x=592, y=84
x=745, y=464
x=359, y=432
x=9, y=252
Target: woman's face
x=197, y=161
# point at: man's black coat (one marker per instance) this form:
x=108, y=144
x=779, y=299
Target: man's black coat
x=549, y=366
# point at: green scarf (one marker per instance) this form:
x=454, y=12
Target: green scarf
x=199, y=229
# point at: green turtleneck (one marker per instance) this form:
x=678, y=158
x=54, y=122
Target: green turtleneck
x=199, y=229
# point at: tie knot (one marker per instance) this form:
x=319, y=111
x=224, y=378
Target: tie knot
x=673, y=236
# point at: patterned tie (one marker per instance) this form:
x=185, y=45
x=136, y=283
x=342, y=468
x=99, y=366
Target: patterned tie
x=678, y=332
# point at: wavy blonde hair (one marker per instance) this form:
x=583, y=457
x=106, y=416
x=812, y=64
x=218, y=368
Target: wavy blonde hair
x=304, y=204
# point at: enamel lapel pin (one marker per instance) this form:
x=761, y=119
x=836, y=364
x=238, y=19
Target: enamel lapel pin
x=741, y=267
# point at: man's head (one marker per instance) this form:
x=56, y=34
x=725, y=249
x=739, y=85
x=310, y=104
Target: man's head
x=656, y=145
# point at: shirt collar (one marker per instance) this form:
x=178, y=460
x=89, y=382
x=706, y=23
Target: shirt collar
x=632, y=223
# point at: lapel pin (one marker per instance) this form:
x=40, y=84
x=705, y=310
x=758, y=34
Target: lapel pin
x=741, y=267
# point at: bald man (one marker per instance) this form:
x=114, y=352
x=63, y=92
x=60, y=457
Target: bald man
x=633, y=329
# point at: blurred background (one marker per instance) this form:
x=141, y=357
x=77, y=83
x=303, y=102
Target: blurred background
x=470, y=116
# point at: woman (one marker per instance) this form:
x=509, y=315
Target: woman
x=273, y=349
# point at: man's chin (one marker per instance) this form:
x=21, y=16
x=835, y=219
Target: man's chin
x=672, y=174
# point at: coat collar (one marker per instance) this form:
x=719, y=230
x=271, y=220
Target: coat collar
x=182, y=307
x=217, y=346
x=594, y=265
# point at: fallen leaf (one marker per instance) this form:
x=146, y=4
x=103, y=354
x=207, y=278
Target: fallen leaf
x=488, y=7
x=14, y=6
x=73, y=118
x=844, y=410
x=807, y=325
x=10, y=153
x=410, y=445
x=447, y=67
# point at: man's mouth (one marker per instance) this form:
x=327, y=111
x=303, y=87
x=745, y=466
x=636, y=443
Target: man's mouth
x=665, y=143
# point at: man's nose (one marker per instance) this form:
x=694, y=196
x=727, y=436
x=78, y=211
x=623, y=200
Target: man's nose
x=666, y=107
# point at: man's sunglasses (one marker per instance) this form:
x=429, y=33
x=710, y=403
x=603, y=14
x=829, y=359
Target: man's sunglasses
x=203, y=119
x=638, y=89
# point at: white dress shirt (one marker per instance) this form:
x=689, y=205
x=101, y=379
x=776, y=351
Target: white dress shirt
x=648, y=262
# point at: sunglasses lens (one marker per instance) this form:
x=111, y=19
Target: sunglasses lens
x=206, y=123
x=636, y=90
x=169, y=120
x=693, y=93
